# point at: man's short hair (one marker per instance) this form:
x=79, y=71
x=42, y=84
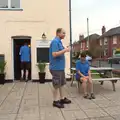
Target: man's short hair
x=83, y=54
x=59, y=30
x=25, y=43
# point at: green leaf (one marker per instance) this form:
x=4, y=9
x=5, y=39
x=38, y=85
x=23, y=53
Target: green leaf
x=2, y=67
x=41, y=66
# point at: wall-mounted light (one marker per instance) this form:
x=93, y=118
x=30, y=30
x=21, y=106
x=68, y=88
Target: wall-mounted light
x=44, y=36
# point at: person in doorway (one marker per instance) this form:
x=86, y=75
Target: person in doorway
x=57, y=66
x=84, y=75
x=25, y=61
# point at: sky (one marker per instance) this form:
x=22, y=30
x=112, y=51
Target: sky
x=100, y=13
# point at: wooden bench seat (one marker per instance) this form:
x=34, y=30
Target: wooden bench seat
x=113, y=81
x=105, y=79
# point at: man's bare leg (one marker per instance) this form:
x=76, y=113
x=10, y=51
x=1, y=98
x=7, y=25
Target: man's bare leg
x=84, y=85
x=55, y=94
x=56, y=102
x=22, y=74
x=63, y=99
x=61, y=92
x=90, y=85
x=27, y=72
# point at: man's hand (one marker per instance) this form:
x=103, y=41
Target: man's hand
x=67, y=49
x=85, y=77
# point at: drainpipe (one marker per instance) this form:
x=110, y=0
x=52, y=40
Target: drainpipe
x=70, y=22
x=88, y=33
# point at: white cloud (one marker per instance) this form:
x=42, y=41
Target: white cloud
x=100, y=12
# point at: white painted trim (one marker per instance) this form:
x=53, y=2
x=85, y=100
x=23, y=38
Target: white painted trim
x=11, y=9
x=20, y=3
x=12, y=55
x=9, y=3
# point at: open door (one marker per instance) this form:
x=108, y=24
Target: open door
x=17, y=43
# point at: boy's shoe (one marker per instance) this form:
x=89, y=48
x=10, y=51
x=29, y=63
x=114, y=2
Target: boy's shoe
x=92, y=96
x=58, y=104
x=65, y=101
x=86, y=96
x=26, y=80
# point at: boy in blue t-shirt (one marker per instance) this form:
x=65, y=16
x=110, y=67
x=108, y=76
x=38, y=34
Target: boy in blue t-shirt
x=84, y=75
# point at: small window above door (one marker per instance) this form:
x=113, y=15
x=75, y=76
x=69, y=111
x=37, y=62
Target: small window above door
x=10, y=4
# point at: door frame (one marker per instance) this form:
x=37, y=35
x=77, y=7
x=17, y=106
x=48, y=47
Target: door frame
x=12, y=47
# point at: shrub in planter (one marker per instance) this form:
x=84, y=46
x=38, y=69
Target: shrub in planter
x=41, y=67
x=2, y=72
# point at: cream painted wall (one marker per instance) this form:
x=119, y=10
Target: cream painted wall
x=37, y=17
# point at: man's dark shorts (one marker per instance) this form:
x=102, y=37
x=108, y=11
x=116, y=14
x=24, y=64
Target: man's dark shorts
x=58, y=78
x=25, y=65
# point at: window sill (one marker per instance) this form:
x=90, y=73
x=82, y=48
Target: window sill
x=11, y=9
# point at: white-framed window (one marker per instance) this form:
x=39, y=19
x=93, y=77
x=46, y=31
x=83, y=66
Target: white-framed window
x=100, y=41
x=114, y=50
x=115, y=40
x=105, y=41
x=42, y=50
x=105, y=52
x=9, y=4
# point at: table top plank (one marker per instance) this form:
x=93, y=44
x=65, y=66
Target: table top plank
x=97, y=68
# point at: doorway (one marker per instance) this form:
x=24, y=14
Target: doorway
x=17, y=43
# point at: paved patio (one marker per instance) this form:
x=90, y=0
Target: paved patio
x=32, y=101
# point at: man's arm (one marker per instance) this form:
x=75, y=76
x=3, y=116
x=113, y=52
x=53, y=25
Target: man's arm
x=56, y=52
x=81, y=75
x=20, y=51
x=89, y=73
x=59, y=53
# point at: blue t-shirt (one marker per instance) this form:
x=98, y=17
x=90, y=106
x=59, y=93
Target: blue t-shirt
x=56, y=63
x=25, y=53
x=82, y=67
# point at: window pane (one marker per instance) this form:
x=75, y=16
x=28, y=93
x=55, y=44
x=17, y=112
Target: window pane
x=105, y=41
x=115, y=40
x=3, y=3
x=43, y=57
x=15, y=3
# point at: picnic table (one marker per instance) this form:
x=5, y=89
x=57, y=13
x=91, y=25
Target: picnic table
x=105, y=73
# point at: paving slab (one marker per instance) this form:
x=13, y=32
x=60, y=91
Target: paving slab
x=116, y=117
x=27, y=117
x=103, y=118
x=33, y=101
x=98, y=112
x=113, y=110
x=8, y=116
x=106, y=103
x=50, y=114
x=85, y=104
x=74, y=115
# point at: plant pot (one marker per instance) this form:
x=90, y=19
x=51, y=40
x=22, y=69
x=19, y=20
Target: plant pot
x=41, y=77
x=2, y=78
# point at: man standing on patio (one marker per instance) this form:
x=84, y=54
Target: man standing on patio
x=57, y=66
x=84, y=75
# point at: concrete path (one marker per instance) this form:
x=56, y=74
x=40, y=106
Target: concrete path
x=33, y=101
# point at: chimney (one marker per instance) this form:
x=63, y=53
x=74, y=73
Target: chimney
x=81, y=37
x=103, y=30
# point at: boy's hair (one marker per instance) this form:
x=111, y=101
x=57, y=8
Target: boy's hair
x=25, y=43
x=83, y=54
x=58, y=30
